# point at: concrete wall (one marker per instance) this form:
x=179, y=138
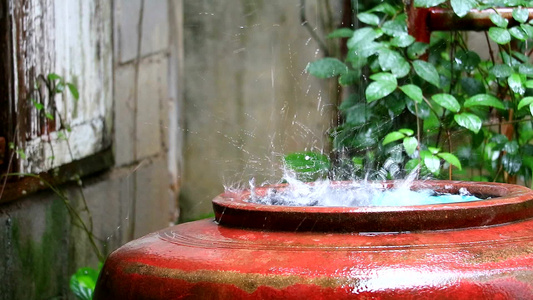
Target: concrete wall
x=40, y=247
x=247, y=99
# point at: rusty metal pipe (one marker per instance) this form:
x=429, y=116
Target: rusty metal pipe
x=423, y=21
x=440, y=19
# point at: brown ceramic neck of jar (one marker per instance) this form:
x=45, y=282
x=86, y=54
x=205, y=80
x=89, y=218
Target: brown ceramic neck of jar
x=507, y=203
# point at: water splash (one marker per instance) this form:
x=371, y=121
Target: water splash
x=355, y=193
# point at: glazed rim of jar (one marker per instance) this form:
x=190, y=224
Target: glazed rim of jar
x=507, y=203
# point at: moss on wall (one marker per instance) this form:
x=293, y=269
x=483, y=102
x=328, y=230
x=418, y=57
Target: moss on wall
x=35, y=244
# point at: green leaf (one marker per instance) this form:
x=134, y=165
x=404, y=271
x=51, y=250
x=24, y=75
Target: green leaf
x=431, y=124
x=525, y=69
x=357, y=60
x=307, y=162
x=484, y=100
x=21, y=154
x=462, y=7
x=368, y=18
x=433, y=150
x=527, y=161
x=395, y=28
x=468, y=121
x=472, y=86
x=402, y=41
x=38, y=106
x=515, y=83
x=416, y=50
x=392, y=137
x=501, y=71
x=410, y=144
x=380, y=89
x=525, y=101
x=518, y=33
x=358, y=161
x=414, y=92
x=423, y=109
x=391, y=60
x=395, y=104
x=358, y=114
x=477, y=139
x=529, y=84
x=349, y=78
x=447, y=101
x=53, y=76
x=385, y=8
x=388, y=59
x=498, y=20
x=402, y=69
x=511, y=163
x=520, y=56
x=520, y=14
x=427, y=72
x=83, y=282
x=412, y=164
x=363, y=35
x=383, y=76
x=528, y=29
x=509, y=60
x=511, y=147
x=451, y=159
x=327, y=67
x=499, y=141
x=432, y=163
x=467, y=60
x=60, y=87
x=406, y=131
x=499, y=35
x=367, y=49
x=341, y=33
x=49, y=116
x=428, y=3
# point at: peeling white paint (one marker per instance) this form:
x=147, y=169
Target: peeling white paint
x=72, y=38
x=50, y=151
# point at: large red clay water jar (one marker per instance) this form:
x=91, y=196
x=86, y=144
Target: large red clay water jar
x=470, y=250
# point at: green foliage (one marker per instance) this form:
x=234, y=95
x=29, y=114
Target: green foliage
x=307, y=165
x=421, y=98
x=327, y=67
x=20, y=152
x=83, y=282
x=461, y=7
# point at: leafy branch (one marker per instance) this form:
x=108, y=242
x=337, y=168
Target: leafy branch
x=477, y=103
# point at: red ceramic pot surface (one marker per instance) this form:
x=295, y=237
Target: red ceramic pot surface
x=476, y=250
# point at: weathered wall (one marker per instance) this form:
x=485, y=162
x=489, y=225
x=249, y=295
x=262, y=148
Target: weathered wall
x=247, y=98
x=40, y=247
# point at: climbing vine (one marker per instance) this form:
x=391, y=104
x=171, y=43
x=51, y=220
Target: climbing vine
x=434, y=106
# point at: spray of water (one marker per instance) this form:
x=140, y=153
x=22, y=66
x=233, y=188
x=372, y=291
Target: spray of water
x=354, y=193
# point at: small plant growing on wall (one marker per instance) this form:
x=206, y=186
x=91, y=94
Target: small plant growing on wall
x=83, y=282
x=439, y=106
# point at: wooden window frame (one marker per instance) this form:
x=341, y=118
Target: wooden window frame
x=15, y=117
